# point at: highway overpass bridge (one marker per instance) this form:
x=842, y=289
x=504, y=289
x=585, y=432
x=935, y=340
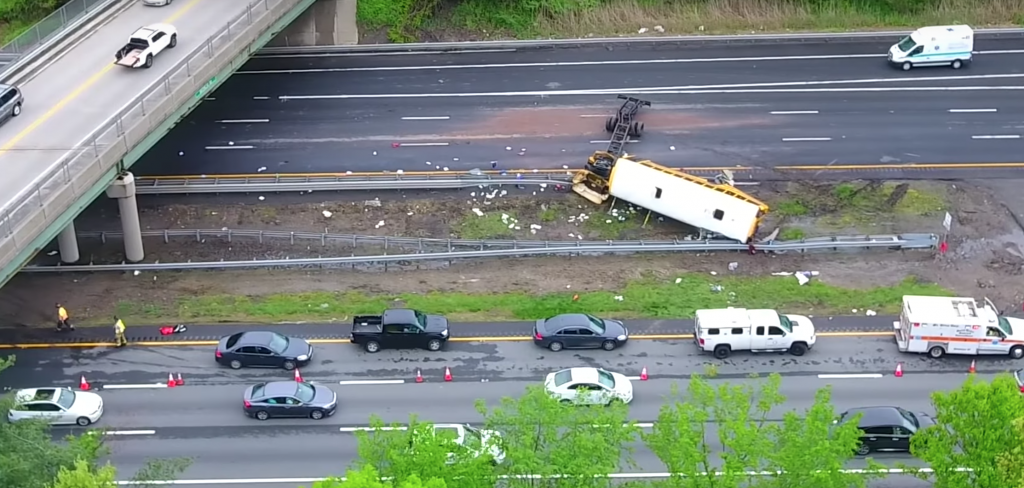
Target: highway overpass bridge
x=85, y=121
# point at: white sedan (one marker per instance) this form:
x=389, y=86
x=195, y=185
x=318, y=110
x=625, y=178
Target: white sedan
x=56, y=406
x=476, y=442
x=589, y=386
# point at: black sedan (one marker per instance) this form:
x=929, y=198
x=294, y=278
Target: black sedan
x=262, y=349
x=579, y=331
x=289, y=399
x=886, y=429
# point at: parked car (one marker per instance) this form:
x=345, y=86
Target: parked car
x=886, y=429
x=579, y=331
x=11, y=99
x=469, y=441
x=400, y=328
x=289, y=399
x=588, y=386
x=56, y=406
x=263, y=349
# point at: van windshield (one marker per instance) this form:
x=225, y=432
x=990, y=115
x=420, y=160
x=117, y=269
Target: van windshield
x=1005, y=326
x=906, y=44
x=785, y=323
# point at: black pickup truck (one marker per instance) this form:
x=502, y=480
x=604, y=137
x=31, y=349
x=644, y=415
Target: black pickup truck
x=400, y=328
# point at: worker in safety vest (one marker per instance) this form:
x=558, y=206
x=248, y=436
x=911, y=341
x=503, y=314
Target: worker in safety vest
x=63, y=319
x=119, y=332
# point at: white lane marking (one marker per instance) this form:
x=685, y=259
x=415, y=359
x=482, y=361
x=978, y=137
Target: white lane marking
x=805, y=139
x=631, y=141
x=439, y=117
x=261, y=98
x=130, y=432
x=823, y=90
x=421, y=144
x=372, y=382
x=849, y=376
x=794, y=112
x=267, y=481
x=587, y=63
x=225, y=148
x=133, y=387
x=592, y=116
x=355, y=55
x=971, y=110
x=673, y=89
x=633, y=378
x=1004, y=136
x=243, y=121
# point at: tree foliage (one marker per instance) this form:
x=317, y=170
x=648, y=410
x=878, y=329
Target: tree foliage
x=1012, y=462
x=973, y=430
x=85, y=475
x=368, y=477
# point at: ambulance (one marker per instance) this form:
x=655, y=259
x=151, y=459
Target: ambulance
x=948, y=325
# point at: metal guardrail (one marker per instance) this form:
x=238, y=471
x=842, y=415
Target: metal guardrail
x=300, y=183
x=68, y=179
x=47, y=31
x=512, y=249
x=825, y=37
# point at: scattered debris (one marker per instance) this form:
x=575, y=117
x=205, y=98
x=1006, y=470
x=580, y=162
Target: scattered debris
x=327, y=213
x=642, y=30
x=870, y=313
x=716, y=288
x=733, y=266
x=659, y=29
x=261, y=169
x=478, y=212
x=619, y=298
x=379, y=224
x=261, y=198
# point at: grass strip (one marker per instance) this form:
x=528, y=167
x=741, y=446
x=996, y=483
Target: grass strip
x=648, y=298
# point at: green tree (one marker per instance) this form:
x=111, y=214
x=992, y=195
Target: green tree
x=417, y=449
x=551, y=443
x=368, y=477
x=973, y=430
x=84, y=475
x=1012, y=462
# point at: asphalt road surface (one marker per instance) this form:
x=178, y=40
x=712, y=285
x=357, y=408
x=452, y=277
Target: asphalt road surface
x=721, y=106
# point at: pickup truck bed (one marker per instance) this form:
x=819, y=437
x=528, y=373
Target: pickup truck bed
x=130, y=58
x=367, y=324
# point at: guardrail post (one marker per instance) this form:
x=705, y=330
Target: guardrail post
x=291, y=237
x=199, y=236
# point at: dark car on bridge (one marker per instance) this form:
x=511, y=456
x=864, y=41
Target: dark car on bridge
x=579, y=331
x=289, y=399
x=263, y=349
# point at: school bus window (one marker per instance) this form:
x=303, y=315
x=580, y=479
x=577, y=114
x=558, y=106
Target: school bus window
x=657, y=192
x=719, y=214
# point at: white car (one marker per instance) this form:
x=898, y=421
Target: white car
x=477, y=442
x=145, y=44
x=589, y=386
x=56, y=406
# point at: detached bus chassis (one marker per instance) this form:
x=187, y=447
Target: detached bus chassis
x=592, y=183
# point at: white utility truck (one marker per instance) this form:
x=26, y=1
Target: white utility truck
x=944, y=45
x=724, y=330
x=949, y=325
x=144, y=44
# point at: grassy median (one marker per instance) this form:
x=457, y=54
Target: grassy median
x=640, y=299
x=450, y=20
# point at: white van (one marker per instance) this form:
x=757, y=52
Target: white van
x=944, y=45
x=721, y=331
x=950, y=325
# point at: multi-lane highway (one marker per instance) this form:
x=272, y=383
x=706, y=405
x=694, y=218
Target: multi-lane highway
x=202, y=419
x=760, y=105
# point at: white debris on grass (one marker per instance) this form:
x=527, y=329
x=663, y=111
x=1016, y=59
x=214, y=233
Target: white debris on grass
x=478, y=212
x=327, y=213
x=261, y=198
x=379, y=225
x=870, y=313
x=733, y=266
x=619, y=298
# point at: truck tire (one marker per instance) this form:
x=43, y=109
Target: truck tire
x=149, y=61
x=433, y=345
x=1017, y=352
x=906, y=66
x=721, y=351
x=174, y=41
x=798, y=349
x=937, y=352
x=372, y=346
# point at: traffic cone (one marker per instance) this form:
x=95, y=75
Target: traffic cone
x=447, y=374
x=170, y=381
x=899, y=370
x=643, y=374
x=83, y=385
x=298, y=376
x=972, y=369
x=419, y=376
x=179, y=381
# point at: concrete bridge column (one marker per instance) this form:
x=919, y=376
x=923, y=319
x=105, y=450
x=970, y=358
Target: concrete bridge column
x=325, y=23
x=67, y=243
x=123, y=189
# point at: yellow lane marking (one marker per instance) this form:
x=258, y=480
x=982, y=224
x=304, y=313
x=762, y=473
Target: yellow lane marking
x=78, y=91
x=650, y=337
x=834, y=167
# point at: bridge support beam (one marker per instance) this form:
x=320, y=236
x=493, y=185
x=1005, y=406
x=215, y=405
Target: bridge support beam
x=67, y=243
x=123, y=189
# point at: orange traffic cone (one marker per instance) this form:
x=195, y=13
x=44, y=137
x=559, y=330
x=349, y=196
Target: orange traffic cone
x=643, y=374
x=180, y=381
x=170, y=381
x=83, y=385
x=447, y=374
x=899, y=370
x=972, y=369
x=419, y=376
x=298, y=376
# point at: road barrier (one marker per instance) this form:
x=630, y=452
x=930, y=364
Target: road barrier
x=48, y=33
x=342, y=182
x=483, y=249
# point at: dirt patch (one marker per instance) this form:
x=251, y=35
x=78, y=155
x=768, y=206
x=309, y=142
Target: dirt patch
x=984, y=257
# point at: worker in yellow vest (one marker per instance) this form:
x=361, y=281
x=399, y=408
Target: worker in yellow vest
x=63, y=319
x=119, y=332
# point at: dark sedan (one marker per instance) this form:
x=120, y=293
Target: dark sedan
x=289, y=399
x=262, y=349
x=579, y=331
x=886, y=429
